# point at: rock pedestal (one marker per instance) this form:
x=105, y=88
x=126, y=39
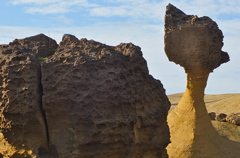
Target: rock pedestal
x=195, y=44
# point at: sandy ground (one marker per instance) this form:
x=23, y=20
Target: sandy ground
x=221, y=103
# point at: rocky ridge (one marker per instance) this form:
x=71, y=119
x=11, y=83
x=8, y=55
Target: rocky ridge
x=78, y=99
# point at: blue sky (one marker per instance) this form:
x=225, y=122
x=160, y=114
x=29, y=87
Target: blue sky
x=121, y=21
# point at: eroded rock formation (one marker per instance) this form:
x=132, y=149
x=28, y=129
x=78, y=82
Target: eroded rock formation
x=23, y=129
x=86, y=100
x=101, y=101
x=233, y=118
x=195, y=44
x=221, y=117
x=212, y=115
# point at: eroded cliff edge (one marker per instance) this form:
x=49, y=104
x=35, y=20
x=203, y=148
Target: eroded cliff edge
x=86, y=100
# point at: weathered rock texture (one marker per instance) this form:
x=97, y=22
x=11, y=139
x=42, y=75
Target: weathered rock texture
x=233, y=118
x=212, y=115
x=86, y=100
x=195, y=44
x=192, y=42
x=221, y=117
x=100, y=101
x=23, y=128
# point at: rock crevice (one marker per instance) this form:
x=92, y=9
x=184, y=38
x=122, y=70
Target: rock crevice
x=24, y=130
x=42, y=110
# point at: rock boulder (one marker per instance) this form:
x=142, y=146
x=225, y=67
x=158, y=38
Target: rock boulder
x=233, y=118
x=23, y=127
x=79, y=99
x=221, y=117
x=100, y=101
x=212, y=115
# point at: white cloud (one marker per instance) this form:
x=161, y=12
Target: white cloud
x=52, y=6
x=231, y=26
x=210, y=8
x=63, y=19
x=50, y=9
x=155, y=9
x=135, y=9
x=149, y=11
x=110, y=11
x=35, y=2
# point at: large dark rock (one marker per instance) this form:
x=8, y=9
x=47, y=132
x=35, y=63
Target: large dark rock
x=233, y=118
x=221, y=117
x=212, y=115
x=100, y=101
x=22, y=123
x=86, y=100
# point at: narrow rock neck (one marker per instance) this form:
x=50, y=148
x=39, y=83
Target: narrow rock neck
x=196, y=84
x=193, y=97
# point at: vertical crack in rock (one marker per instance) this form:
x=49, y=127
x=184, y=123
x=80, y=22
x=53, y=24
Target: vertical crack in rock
x=24, y=128
x=41, y=104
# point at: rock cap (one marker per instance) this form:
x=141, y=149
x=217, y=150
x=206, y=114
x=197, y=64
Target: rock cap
x=193, y=42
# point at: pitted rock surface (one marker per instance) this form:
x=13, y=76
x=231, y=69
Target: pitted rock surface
x=193, y=42
x=221, y=117
x=233, y=118
x=100, y=101
x=212, y=115
x=22, y=123
x=86, y=100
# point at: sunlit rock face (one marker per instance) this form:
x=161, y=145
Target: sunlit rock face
x=79, y=99
x=195, y=44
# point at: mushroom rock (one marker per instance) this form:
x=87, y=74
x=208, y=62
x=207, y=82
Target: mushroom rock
x=100, y=101
x=195, y=44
